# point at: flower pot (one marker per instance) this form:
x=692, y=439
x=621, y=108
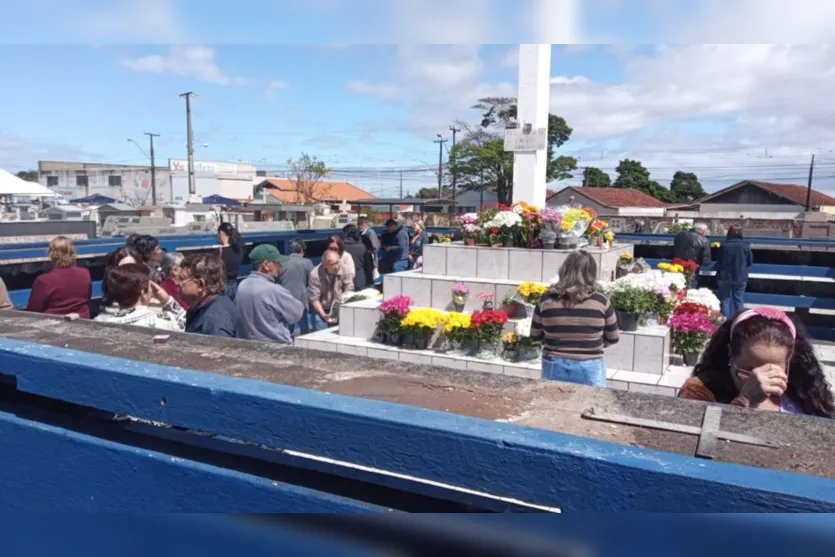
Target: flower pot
x=507, y=241
x=510, y=309
x=469, y=347
x=611, y=244
x=528, y=353
x=421, y=342
x=487, y=305
x=599, y=241
x=459, y=299
x=408, y=341
x=691, y=359
x=548, y=245
x=487, y=350
x=627, y=322
x=529, y=309
x=510, y=355
x=663, y=319
x=392, y=339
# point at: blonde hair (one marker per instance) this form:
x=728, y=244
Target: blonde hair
x=61, y=251
x=418, y=226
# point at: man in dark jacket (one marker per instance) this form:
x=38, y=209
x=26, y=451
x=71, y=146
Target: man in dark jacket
x=733, y=263
x=295, y=277
x=693, y=245
x=397, y=248
x=203, y=287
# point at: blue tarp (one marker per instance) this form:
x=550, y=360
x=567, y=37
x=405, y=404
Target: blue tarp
x=220, y=200
x=95, y=199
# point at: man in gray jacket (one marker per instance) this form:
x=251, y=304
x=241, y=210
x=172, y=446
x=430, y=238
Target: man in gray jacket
x=295, y=277
x=266, y=311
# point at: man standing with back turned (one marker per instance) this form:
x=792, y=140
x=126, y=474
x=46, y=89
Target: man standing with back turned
x=266, y=311
x=693, y=245
x=397, y=249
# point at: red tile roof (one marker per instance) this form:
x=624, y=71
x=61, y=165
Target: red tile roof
x=285, y=191
x=619, y=197
x=795, y=193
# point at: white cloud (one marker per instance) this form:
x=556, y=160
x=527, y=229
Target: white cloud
x=197, y=62
x=273, y=88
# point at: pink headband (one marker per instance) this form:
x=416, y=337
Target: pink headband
x=768, y=313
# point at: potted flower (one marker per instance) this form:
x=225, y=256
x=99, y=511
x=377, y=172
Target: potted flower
x=489, y=325
x=510, y=342
x=531, y=292
x=529, y=349
x=625, y=264
x=528, y=230
x=486, y=300
x=470, y=229
x=689, y=267
x=510, y=304
x=460, y=292
x=609, y=236
x=573, y=226
x=691, y=332
x=419, y=324
x=508, y=224
x=392, y=312
x=596, y=232
x=630, y=303
x=704, y=297
x=551, y=221
x=458, y=332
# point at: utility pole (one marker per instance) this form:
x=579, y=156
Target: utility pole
x=192, y=187
x=809, y=189
x=452, y=167
x=151, y=136
x=440, y=141
x=401, y=184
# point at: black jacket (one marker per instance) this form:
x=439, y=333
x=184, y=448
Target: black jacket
x=363, y=263
x=215, y=318
x=693, y=246
x=734, y=261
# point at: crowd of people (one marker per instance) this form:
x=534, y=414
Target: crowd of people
x=758, y=358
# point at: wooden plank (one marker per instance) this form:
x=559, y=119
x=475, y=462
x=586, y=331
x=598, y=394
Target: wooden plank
x=500, y=459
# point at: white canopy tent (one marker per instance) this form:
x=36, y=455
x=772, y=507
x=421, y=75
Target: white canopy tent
x=12, y=185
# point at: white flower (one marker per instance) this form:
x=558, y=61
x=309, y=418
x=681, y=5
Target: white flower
x=704, y=297
x=652, y=281
x=517, y=209
x=506, y=219
x=675, y=280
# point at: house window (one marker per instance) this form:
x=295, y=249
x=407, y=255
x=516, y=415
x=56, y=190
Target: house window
x=114, y=181
x=81, y=181
x=52, y=181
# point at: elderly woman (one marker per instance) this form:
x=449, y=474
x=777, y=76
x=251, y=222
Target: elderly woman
x=203, y=287
x=170, y=266
x=575, y=322
x=65, y=289
x=130, y=287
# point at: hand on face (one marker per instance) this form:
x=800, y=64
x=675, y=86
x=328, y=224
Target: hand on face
x=764, y=382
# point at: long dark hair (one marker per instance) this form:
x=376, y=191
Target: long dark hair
x=578, y=279
x=113, y=260
x=807, y=383
x=236, y=241
x=145, y=245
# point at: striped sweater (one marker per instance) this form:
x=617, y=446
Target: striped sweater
x=579, y=332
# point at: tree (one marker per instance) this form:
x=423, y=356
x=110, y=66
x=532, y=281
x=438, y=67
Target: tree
x=632, y=174
x=480, y=158
x=28, y=175
x=432, y=193
x=306, y=173
x=686, y=187
x=595, y=178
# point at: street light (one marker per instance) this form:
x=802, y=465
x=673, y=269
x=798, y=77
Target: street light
x=138, y=146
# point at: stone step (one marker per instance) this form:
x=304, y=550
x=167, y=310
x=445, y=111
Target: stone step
x=330, y=340
x=514, y=264
x=646, y=350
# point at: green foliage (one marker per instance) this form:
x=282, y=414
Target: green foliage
x=685, y=186
x=632, y=300
x=632, y=174
x=480, y=161
x=432, y=193
x=595, y=178
x=28, y=175
x=675, y=228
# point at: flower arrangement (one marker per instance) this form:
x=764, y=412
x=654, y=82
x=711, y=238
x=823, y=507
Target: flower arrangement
x=691, y=332
x=505, y=221
x=550, y=215
x=393, y=311
x=704, y=297
x=609, y=236
x=671, y=268
x=461, y=288
x=575, y=222
x=469, y=218
x=596, y=228
x=690, y=268
x=691, y=308
x=420, y=324
x=716, y=245
x=531, y=292
x=489, y=325
x=628, y=298
x=625, y=258
x=486, y=299
x=443, y=238
x=509, y=341
x=469, y=225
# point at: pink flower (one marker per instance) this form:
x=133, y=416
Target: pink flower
x=692, y=323
x=399, y=305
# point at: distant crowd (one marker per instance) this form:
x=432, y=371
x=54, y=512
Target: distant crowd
x=283, y=296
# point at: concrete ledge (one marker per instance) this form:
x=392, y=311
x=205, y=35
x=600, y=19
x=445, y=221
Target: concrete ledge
x=515, y=264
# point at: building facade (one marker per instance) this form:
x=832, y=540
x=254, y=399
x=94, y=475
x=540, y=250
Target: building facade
x=235, y=180
x=128, y=183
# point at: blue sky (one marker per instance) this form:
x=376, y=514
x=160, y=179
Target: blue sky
x=78, y=81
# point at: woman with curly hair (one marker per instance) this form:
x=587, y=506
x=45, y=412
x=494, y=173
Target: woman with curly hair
x=761, y=360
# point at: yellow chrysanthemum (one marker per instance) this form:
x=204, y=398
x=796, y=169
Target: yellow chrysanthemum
x=423, y=317
x=456, y=320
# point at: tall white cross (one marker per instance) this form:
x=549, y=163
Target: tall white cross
x=534, y=103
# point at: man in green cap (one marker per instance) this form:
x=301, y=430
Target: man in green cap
x=266, y=311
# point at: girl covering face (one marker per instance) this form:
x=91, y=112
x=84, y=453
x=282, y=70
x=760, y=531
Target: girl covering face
x=761, y=360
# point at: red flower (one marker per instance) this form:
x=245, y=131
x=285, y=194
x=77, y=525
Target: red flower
x=494, y=231
x=488, y=317
x=689, y=266
x=691, y=308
